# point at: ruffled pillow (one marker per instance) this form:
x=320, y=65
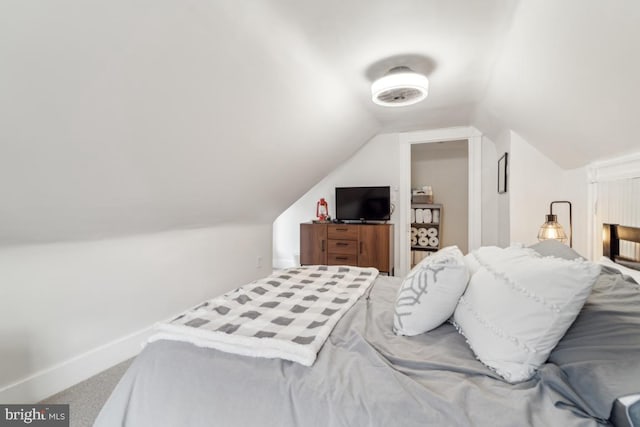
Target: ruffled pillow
x=518, y=305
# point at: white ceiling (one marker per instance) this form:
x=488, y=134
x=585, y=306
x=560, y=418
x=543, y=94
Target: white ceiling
x=132, y=116
x=568, y=78
x=453, y=42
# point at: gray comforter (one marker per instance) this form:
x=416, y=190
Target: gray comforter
x=364, y=376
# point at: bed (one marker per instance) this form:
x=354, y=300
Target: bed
x=365, y=375
x=612, y=235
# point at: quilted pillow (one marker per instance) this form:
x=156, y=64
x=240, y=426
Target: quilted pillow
x=430, y=292
x=518, y=305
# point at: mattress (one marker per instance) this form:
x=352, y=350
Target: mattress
x=367, y=376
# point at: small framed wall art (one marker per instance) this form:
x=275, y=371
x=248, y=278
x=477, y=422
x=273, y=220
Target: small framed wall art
x=502, y=173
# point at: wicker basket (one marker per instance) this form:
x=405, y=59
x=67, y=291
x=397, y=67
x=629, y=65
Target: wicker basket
x=422, y=198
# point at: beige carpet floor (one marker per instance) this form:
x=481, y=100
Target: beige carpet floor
x=87, y=398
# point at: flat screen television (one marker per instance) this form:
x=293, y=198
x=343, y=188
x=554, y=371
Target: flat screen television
x=363, y=203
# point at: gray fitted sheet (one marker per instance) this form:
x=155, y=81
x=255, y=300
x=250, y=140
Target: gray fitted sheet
x=600, y=353
x=364, y=376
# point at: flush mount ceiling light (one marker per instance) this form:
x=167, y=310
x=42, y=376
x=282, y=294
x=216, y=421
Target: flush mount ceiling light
x=399, y=87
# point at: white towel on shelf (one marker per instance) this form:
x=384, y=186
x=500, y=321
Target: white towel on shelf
x=426, y=216
x=413, y=215
x=419, y=218
x=434, y=241
x=422, y=232
x=423, y=241
x=436, y=216
x=414, y=231
x=414, y=240
x=432, y=232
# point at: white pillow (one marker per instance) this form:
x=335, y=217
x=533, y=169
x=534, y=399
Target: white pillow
x=518, y=305
x=635, y=274
x=495, y=253
x=430, y=292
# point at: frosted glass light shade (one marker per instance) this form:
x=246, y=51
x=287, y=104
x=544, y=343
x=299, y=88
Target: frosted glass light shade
x=400, y=87
x=551, y=229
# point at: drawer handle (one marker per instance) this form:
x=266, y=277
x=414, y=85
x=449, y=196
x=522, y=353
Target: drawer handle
x=361, y=246
x=342, y=258
x=322, y=247
x=342, y=229
x=342, y=244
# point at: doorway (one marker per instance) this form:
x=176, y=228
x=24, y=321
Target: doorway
x=468, y=136
x=441, y=170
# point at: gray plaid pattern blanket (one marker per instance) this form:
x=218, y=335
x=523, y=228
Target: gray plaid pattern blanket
x=286, y=315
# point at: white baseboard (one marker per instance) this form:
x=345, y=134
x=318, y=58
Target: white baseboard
x=52, y=380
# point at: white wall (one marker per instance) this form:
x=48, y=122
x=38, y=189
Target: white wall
x=575, y=188
x=376, y=163
x=489, y=194
x=61, y=301
x=535, y=181
x=503, y=145
x=444, y=166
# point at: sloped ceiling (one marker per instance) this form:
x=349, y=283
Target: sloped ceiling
x=568, y=79
x=133, y=116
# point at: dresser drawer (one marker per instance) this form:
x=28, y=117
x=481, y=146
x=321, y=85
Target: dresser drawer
x=342, y=232
x=343, y=247
x=342, y=259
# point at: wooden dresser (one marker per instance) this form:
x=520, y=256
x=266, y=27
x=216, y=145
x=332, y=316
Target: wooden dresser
x=362, y=245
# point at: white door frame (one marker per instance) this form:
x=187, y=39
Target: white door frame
x=474, y=140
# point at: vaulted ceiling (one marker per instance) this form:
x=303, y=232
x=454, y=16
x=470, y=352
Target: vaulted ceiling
x=133, y=116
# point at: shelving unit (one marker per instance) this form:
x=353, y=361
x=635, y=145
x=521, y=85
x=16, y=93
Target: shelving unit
x=426, y=230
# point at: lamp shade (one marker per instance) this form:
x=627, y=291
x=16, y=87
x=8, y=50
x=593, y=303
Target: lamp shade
x=401, y=86
x=551, y=229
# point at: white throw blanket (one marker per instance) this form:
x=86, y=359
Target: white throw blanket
x=287, y=315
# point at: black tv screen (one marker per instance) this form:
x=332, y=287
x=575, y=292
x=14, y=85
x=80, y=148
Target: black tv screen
x=363, y=203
